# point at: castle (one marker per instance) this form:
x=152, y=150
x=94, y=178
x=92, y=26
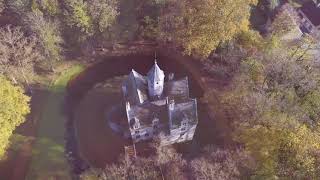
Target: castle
x=157, y=107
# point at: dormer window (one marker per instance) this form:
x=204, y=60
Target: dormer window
x=136, y=124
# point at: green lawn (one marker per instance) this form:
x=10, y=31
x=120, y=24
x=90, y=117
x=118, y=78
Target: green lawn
x=48, y=158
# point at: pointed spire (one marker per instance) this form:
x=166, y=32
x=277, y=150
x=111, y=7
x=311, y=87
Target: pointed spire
x=155, y=80
x=155, y=73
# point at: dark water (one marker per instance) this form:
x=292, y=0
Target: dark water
x=116, y=66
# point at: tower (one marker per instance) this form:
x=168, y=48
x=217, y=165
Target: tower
x=155, y=81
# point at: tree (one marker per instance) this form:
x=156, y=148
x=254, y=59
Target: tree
x=77, y=16
x=275, y=95
x=48, y=33
x=13, y=110
x=218, y=164
x=18, y=53
x=2, y=5
x=103, y=13
x=142, y=169
x=19, y=6
x=285, y=21
x=283, y=153
x=200, y=26
x=273, y=4
x=170, y=163
x=48, y=7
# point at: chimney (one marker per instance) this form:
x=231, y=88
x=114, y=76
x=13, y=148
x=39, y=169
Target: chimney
x=171, y=105
x=171, y=76
x=128, y=106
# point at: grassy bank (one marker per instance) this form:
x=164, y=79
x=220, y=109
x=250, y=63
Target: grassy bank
x=48, y=158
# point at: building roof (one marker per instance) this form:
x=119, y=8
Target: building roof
x=177, y=88
x=144, y=110
x=136, y=88
x=155, y=74
x=146, y=113
x=186, y=110
x=311, y=10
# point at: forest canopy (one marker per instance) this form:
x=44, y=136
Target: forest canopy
x=13, y=110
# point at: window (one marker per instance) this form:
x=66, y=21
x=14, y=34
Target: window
x=146, y=135
x=183, y=129
x=137, y=132
x=137, y=136
x=155, y=126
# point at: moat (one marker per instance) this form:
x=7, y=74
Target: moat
x=99, y=88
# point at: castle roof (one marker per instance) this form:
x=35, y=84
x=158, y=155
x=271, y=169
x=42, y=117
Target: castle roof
x=185, y=110
x=177, y=88
x=146, y=113
x=144, y=109
x=136, y=88
x=155, y=74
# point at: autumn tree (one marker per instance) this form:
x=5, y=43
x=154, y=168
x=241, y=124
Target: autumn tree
x=219, y=164
x=166, y=163
x=103, y=13
x=285, y=21
x=48, y=7
x=48, y=33
x=18, y=53
x=77, y=16
x=276, y=119
x=142, y=168
x=2, y=5
x=14, y=107
x=200, y=26
x=18, y=6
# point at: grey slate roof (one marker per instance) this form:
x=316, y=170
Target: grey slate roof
x=155, y=73
x=137, y=89
x=177, y=89
x=146, y=112
x=184, y=110
x=145, y=109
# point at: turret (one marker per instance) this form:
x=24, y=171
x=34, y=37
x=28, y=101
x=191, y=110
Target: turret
x=155, y=81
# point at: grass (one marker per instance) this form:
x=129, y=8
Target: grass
x=48, y=157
